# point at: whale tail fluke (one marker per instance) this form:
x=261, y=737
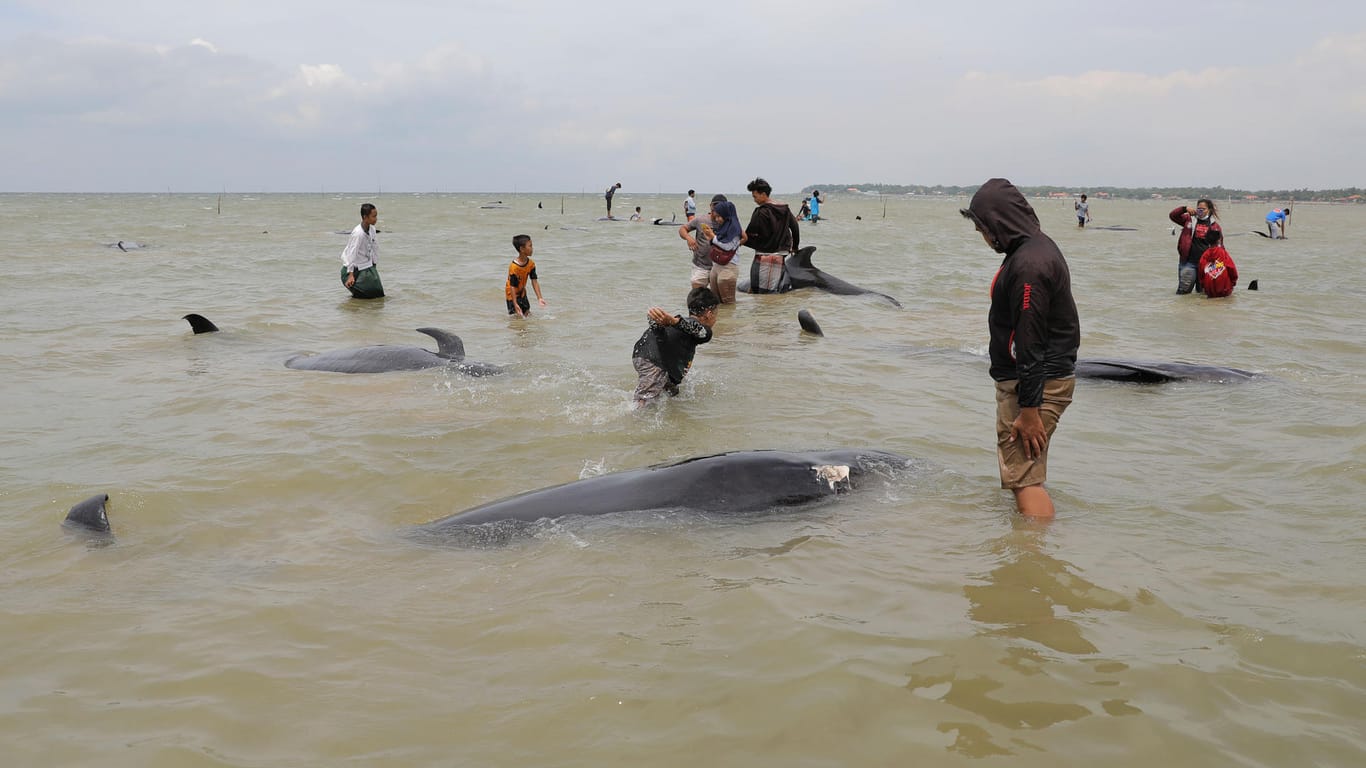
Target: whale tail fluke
x=448, y=344
x=808, y=323
x=89, y=515
x=201, y=324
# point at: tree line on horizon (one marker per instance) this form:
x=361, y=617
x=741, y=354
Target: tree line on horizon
x=1352, y=194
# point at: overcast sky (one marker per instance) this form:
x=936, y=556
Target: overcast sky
x=531, y=96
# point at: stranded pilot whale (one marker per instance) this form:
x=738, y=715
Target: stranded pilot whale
x=799, y=272
x=738, y=482
x=392, y=357
x=1102, y=369
x=1142, y=372
x=732, y=483
x=381, y=358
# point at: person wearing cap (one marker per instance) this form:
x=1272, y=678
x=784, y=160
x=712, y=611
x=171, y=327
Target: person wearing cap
x=1035, y=334
x=706, y=273
x=664, y=353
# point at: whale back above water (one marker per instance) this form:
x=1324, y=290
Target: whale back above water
x=731, y=483
x=799, y=272
x=1143, y=372
x=384, y=358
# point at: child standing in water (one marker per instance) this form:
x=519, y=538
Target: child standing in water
x=1218, y=273
x=520, y=272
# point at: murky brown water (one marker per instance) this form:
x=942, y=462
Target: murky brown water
x=1197, y=602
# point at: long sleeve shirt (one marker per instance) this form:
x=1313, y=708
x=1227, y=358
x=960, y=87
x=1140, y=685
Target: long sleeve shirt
x=362, y=250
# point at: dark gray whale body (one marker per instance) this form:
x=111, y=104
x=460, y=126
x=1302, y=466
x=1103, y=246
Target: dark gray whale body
x=732, y=483
x=1141, y=372
x=808, y=322
x=799, y=272
x=381, y=358
x=392, y=357
x=89, y=518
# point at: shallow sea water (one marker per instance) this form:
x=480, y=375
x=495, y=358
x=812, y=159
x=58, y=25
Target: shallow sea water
x=1198, y=601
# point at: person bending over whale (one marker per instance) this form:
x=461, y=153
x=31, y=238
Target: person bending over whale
x=1035, y=334
x=359, y=273
x=664, y=353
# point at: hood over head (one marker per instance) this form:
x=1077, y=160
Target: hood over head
x=1001, y=211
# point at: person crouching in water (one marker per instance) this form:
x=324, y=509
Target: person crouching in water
x=665, y=351
x=1218, y=273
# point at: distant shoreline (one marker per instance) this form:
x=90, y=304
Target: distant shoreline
x=1350, y=195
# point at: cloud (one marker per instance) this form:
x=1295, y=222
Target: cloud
x=800, y=92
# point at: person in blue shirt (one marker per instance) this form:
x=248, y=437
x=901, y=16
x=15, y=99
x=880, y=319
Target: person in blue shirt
x=1276, y=223
x=815, y=206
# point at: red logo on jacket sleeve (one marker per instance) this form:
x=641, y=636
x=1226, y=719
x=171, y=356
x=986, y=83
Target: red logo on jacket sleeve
x=1028, y=289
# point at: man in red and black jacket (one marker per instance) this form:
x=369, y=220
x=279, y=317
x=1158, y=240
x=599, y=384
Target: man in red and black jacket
x=1035, y=334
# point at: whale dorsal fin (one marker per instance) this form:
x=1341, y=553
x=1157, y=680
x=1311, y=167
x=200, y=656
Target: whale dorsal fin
x=89, y=514
x=201, y=324
x=803, y=256
x=448, y=344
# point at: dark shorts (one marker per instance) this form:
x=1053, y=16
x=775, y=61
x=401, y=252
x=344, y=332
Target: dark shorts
x=522, y=300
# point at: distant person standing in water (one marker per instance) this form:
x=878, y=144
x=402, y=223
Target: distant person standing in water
x=1276, y=223
x=816, y=206
x=1196, y=224
x=773, y=234
x=690, y=205
x=612, y=190
x=359, y=273
x=1083, y=210
x=1035, y=334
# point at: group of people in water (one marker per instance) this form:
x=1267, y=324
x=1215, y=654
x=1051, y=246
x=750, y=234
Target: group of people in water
x=1033, y=324
x=1034, y=329
x=1204, y=265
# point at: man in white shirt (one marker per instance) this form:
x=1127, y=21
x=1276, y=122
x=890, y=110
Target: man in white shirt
x=690, y=205
x=359, y=273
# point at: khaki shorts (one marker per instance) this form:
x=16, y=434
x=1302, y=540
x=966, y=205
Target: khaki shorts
x=1017, y=471
x=701, y=276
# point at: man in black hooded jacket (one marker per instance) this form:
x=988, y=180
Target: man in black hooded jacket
x=773, y=234
x=1035, y=334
